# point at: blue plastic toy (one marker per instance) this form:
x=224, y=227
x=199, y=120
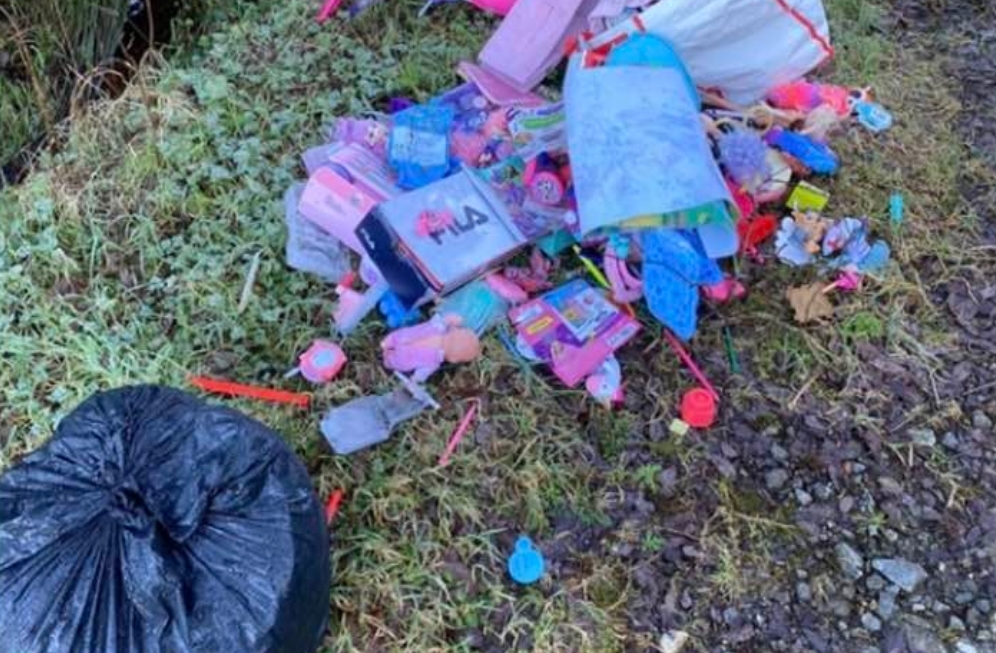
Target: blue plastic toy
x=394, y=312
x=526, y=564
x=873, y=116
x=419, y=146
x=814, y=155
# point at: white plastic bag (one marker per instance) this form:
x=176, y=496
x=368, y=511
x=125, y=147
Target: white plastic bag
x=743, y=48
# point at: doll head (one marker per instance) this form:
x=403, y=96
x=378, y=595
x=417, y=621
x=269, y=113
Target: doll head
x=461, y=345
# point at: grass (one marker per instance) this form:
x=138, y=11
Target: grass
x=122, y=260
x=57, y=50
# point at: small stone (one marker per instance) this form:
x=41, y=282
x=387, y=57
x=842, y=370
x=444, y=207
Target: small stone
x=859, y=468
x=731, y=616
x=673, y=641
x=981, y=421
x=846, y=504
x=875, y=582
x=823, y=491
x=920, y=637
x=804, y=498
x=902, y=572
x=840, y=608
x=668, y=477
x=950, y=440
x=890, y=485
x=973, y=617
x=779, y=453
x=940, y=607
x=871, y=623
x=890, y=534
x=776, y=478
x=923, y=437
x=690, y=551
x=918, y=607
x=803, y=592
x=964, y=598
x=850, y=561
x=965, y=646
x=954, y=623
x=686, y=600
x=886, y=605
x=984, y=606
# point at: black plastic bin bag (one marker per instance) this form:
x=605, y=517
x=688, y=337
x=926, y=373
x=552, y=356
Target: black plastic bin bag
x=155, y=523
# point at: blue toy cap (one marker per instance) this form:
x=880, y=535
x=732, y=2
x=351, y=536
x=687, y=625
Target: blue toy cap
x=526, y=564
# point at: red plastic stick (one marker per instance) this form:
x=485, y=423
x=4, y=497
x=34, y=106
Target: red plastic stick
x=332, y=507
x=458, y=434
x=686, y=358
x=231, y=389
x=327, y=10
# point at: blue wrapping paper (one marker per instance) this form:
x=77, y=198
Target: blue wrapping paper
x=637, y=145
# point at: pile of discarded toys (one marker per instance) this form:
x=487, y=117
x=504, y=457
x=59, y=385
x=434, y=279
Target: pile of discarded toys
x=685, y=136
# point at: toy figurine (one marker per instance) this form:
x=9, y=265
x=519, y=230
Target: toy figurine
x=814, y=226
x=605, y=383
x=798, y=240
x=423, y=348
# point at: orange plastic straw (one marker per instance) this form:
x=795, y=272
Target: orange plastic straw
x=231, y=389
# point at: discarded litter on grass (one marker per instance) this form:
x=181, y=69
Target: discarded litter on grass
x=684, y=132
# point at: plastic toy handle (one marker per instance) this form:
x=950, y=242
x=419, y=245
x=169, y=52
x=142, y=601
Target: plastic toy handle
x=686, y=358
x=231, y=389
x=458, y=433
x=329, y=8
x=332, y=507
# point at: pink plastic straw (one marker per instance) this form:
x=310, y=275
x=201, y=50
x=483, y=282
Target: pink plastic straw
x=327, y=10
x=458, y=433
x=686, y=358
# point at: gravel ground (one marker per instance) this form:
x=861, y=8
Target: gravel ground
x=871, y=539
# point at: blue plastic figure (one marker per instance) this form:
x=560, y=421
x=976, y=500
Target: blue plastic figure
x=394, y=312
x=525, y=565
x=814, y=155
x=419, y=146
x=873, y=116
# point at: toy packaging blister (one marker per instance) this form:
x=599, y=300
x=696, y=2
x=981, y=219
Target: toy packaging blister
x=419, y=146
x=574, y=329
x=344, y=189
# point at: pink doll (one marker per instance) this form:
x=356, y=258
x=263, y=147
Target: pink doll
x=423, y=348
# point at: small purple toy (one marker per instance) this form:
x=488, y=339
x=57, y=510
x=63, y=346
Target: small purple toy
x=745, y=157
x=370, y=134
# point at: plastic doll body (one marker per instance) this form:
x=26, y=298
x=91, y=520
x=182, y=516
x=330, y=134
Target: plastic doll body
x=423, y=348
